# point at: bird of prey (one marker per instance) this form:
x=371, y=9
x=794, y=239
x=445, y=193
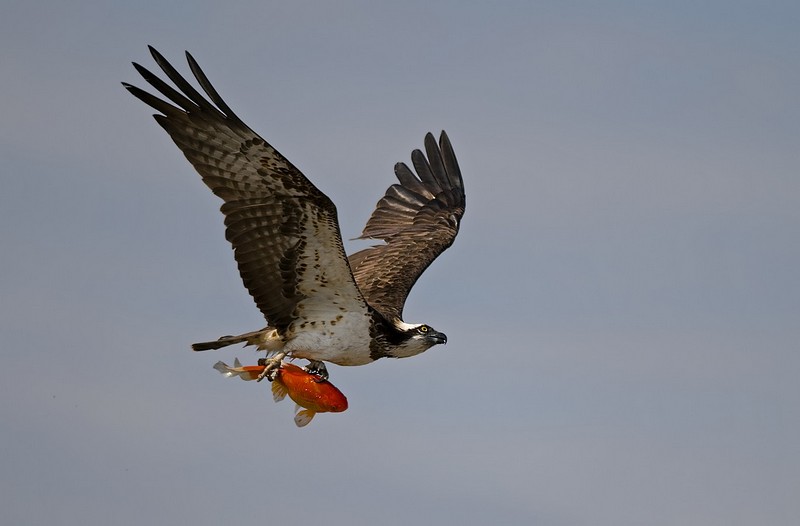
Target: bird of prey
x=320, y=304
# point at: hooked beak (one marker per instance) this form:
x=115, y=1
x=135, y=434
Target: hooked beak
x=437, y=337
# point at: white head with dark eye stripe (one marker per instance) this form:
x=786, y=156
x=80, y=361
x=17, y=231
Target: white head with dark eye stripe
x=418, y=338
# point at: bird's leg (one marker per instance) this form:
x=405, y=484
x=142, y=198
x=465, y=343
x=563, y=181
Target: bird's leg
x=317, y=367
x=272, y=365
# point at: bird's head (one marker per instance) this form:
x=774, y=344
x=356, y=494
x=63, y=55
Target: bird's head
x=417, y=338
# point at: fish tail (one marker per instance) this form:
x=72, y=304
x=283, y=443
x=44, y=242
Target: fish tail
x=236, y=370
x=225, y=369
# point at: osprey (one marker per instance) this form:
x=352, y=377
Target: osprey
x=320, y=304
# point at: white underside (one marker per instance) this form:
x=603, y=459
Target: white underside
x=343, y=342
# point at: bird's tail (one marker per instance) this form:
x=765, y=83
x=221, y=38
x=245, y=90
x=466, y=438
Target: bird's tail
x=248, y=338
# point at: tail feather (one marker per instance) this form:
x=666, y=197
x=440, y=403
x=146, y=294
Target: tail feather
x=249, y=338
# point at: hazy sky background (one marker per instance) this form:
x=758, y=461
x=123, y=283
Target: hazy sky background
x=622, y=303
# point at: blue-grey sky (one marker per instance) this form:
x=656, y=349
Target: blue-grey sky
x=622, y=303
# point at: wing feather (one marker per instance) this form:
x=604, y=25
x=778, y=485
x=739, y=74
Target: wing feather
x=418, y=219
x=284, y=231
x=410, y=182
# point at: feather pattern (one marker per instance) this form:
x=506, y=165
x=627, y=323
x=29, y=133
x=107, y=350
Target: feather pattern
x=284, y=231
x=418, y=219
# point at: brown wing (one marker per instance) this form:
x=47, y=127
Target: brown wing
x=418, y=219
x=284, y=231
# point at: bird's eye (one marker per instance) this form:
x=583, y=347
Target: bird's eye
x=423, y=328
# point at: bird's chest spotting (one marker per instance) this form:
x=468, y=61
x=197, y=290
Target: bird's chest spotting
x=343, y=340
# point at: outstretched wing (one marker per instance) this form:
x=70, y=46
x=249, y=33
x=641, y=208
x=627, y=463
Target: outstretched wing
x=284, y=231
x=418, y=219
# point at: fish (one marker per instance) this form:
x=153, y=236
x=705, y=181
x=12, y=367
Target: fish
x=311, y=393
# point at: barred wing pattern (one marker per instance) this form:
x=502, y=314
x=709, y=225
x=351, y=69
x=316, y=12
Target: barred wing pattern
x=284, y=231
x=418, y=219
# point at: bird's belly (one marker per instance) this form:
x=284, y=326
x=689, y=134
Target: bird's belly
x=346, y=342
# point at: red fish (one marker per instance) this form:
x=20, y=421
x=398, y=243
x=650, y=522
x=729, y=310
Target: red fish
x=309, y=391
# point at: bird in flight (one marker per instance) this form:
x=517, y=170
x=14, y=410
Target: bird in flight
x=319, y=304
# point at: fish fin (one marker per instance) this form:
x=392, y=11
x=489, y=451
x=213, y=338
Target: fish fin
x=302, y=418
x=279, y=391
x=236, y=362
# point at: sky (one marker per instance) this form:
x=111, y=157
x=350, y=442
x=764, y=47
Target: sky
x=621, y=303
